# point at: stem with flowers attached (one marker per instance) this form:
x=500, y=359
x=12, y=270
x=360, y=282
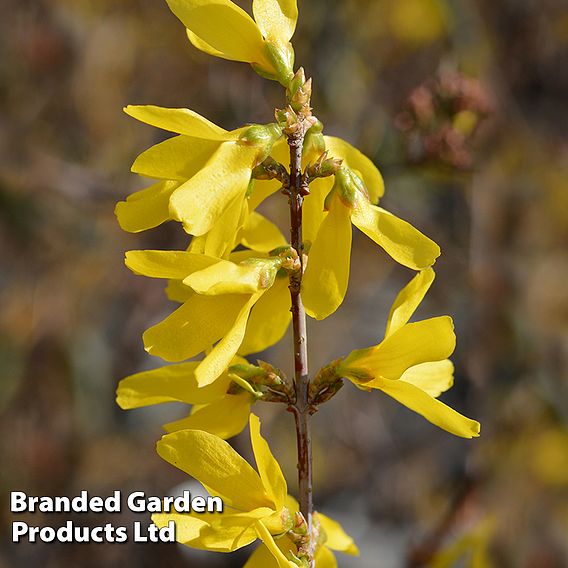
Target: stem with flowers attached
x=300, y=408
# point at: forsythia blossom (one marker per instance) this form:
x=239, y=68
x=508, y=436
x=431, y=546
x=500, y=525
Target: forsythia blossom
x=257, y=505
x=411, y=364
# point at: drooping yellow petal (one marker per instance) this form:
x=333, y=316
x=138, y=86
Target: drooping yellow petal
x=337, y=538
x=222, y=25
x=261, y=189
x=178, y=158
x=225, y=417
x=261, y=234
x=268, y=467
x=325, y=558
x=166, y=263
x=196, y=41
x=168, y=384
x=276, y=18
x=194, y=327
x=325, y=281
x=313, y=210
x=405, y=244
x=176, y=291
x=433, y=378
x=147, y=208
x=188, y=527
x=424, y=341
x=269, y=319
x=408, y=300
x=430, y=408
x=268, y=540
x=217, y=466
x=178, y=120
x=222, y=354
x=355, y=160
x=225, y=277
x=225, y=234
x=218, y=532
x=200, y=201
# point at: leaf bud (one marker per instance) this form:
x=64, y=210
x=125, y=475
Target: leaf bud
x=324, y=167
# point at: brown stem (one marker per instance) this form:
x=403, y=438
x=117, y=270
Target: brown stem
x=301, y=379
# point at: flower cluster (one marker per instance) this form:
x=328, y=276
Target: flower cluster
x=232, y=286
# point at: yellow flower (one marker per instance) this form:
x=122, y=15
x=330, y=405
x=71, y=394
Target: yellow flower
x=351, y=201
x=223, y=29
x=256, y=504
x=410, y=364
x=215, y=315
x=331, y=537
x=214, y=409
x=205, y=172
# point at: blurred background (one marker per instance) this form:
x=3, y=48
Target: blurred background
x=463, y=107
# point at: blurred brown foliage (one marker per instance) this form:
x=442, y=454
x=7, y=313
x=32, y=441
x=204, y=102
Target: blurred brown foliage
x=461, y=104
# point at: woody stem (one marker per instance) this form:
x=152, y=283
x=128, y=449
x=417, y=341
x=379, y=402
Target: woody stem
x=301, y=379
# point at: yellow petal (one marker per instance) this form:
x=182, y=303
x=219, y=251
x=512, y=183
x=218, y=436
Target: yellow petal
x=261, y=558
x=225, y=418
x=355, y=160
x=200, y=201
x=429, y=340
x=205, y=47
x=408, y=300
x=261, y=234
x=325, y=281
x=268, y=467
x=147, y=208
x=225, y=277
x=188, y=528
x=194, y=327
x=268, y=540
x=178, y=158
x=430, y=408
x=223, y=26
x=168, y=384
x=269, y=319
x=222, y=354
x=217, y=466
x=176, y=291
x=276, y=18
x=325, y=558
x=178, y=120
x=166, y=263
x=433, y=378
x=337, y=538
x=225, y=234
x=313, y=210
x=399, y=239
x=216, y=532
x=261, y=190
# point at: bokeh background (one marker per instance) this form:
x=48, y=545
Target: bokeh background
x=462, y=104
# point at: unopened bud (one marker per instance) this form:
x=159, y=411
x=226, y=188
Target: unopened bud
x=324, y=167
x=300, y=524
